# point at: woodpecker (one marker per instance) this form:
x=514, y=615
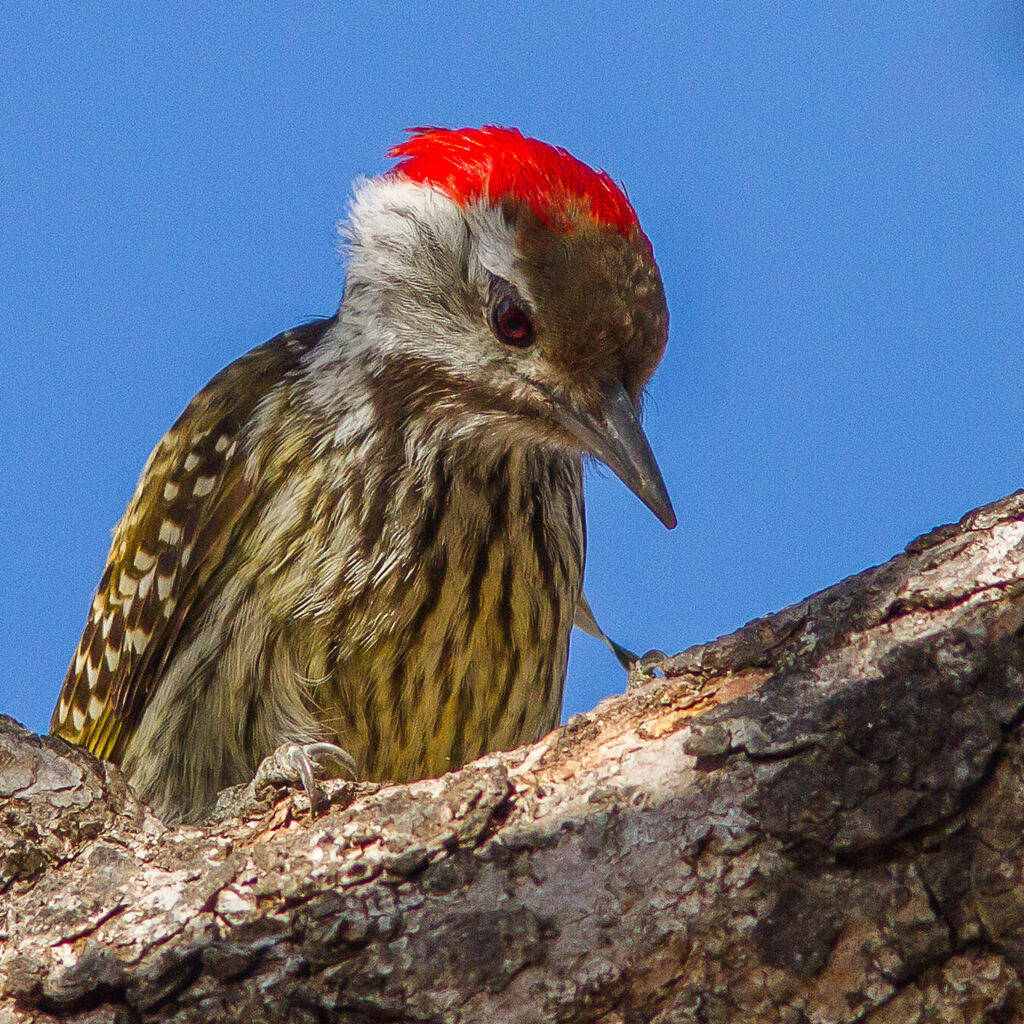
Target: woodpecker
x=368, y=533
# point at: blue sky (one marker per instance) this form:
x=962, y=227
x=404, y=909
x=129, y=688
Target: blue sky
x=834, y=194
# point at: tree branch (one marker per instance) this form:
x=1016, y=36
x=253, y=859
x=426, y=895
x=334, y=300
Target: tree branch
x=817, y=818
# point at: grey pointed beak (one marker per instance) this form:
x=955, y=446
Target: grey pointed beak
x=614, y=435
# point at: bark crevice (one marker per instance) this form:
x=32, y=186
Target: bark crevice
x=819, y=817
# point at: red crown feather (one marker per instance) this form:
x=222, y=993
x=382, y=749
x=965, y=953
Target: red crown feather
x=494, y=163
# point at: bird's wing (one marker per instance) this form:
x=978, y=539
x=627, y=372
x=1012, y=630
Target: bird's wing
x=173, y=536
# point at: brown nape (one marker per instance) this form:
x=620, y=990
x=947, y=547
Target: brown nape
x=601, y=310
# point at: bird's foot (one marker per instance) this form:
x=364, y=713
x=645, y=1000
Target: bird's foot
x=294, y=764
x=291, y=766
x=645, y=668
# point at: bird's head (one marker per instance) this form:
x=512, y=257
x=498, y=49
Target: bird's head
x=499, y=278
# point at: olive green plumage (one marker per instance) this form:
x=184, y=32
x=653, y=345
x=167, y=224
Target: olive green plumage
x=370, y=531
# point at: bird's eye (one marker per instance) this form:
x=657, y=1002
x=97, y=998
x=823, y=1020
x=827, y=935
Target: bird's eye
x=512, y=324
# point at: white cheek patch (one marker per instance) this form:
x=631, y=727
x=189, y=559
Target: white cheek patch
x=411, y=251
x=392, y=223
x=404, y=242
x=389, y=220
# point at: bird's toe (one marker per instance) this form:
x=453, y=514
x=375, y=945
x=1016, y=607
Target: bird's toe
x=302, y=764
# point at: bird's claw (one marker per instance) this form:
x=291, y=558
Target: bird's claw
x=304, y=763
x=645, y=668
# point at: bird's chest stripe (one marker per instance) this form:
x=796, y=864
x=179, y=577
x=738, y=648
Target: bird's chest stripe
x=461, y=645
x=490, y=572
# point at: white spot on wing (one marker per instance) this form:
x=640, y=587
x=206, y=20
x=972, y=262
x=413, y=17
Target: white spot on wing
x=145, y=583
x=92, y=672
x=77, y=719
x=170, y=490
x=126, y=585
x=137, y=638
x=113, y=657
x=143, y=561
x=163, y=586
x=95, y=708
x=62, y=711
x=222, y=442
x=204, y=485
x=170, y=533
x=191, y=461
x=186, y=554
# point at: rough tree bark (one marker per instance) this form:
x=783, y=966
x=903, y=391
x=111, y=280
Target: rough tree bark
x=817, y=818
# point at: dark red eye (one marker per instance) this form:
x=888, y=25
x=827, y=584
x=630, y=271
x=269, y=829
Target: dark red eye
x=512, y=324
